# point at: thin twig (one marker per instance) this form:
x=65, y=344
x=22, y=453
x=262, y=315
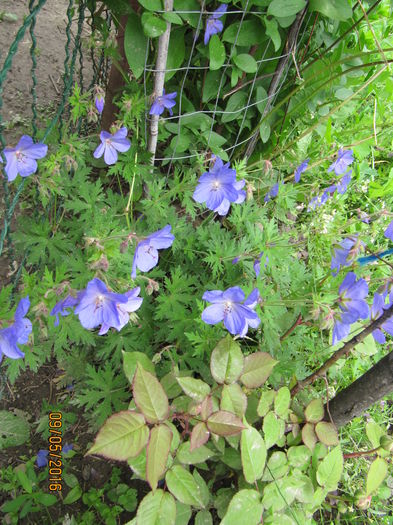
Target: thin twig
x=372, y=32
x=53, y=83
x=374, y=121
x=342, y=352
x=366, y=453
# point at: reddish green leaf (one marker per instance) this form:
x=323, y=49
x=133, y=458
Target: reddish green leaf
x=326, y=433
x=308, y=436
x=149, y=396
x=131, y=360
x=199, y=436
x=157, y=454
x=314, y=411
x=122, y=436
x=224, y=423
x=226, y=363
x=257, y=368
x=194, y=388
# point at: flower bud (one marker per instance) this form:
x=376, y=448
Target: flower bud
x=362, y=501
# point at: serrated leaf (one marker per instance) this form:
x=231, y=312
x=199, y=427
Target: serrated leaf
x=273, y=429
x=253, y=454
x=138, y=465
x=130, y=361
x=226, y=362
x=285, y=7
x=123, y=436
x=257, y=368
x=299, y=456
x=157, y=454
x=135, y=42
x=277, y=466
x=14, y=430
x=314, y=411
x=376, y=474
x=224, y=423
x=149, y=396
x=194, y=388
x=157, y=508
x=245, y=507
x=190, y=457
x=309, y=437
x=216, y=53
x=183, y=486
x=199, y=436
x=233, y=399
x=326, y=433
x=153, y=25
x=330, y=469
x=282, y=402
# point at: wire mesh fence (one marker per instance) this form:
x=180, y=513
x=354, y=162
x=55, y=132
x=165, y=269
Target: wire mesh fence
x=234, y=91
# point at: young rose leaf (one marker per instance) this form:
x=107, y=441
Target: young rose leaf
x=377, y=473
x=190, y=457
x=199, y=436
x=233, y=399
x=257, y=368
x=273, y=429
x=157, y=454
x=282, y=402
x=330, y=469
x=308, y=436
x=130, y=361
x=314, y=411
x=253, y=453
x=266, y=402
x=226, y=363
x=206, y=407
x=326, y=433
x=194, y=388
x=149, y=396
x=157, y=508
x=245, y=507
x=224, y=423
x=122, y=436
x=183, y=486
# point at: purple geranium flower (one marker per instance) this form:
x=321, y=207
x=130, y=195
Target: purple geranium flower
x=17, y=333
x=379, y=304
x=213, y=24
x=342, y=185
x=273, y=192
x=344, y=159
x=62, y=307
x=388, y=233
x=111, y=144
x=223, y=208
x=22, y=158
x=98, y=306
x=351, y=301
x=165, y=101
x=217, y=186
x=42, y=458
x=345, y=253
x=236, y=260
x=257, y=264
x=99, y=103
x=67, y=447
x=340, y=329
x=300, y=169
x=227, y=306
x=146, y=252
